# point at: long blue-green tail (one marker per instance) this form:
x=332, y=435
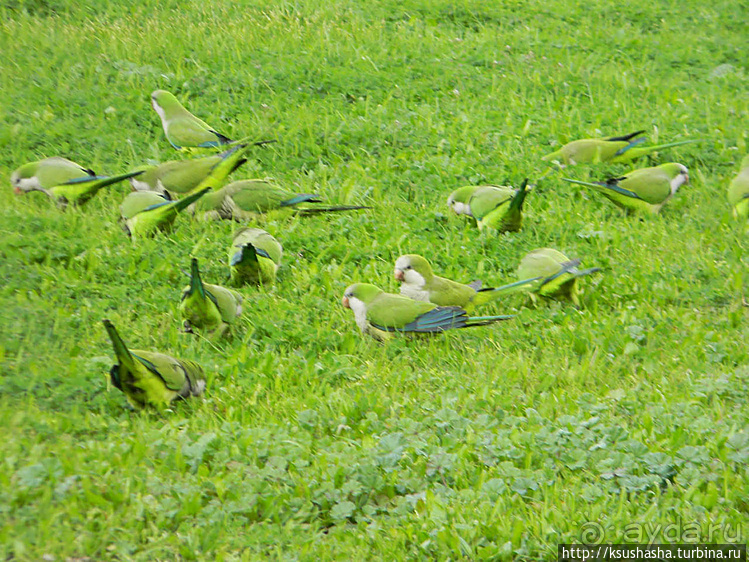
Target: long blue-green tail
x=631, y=152
x=484, y=320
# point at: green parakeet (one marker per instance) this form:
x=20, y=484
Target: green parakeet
x=559, y=274
x=62, y=180
x=646, y=189
x=613, y=149
x=378, y=313
x=183, y=130
x=497, y=207
x=144, y=212
x=245, y=199
x=254, y=257
x=738, y=191
x=419, y=282
x=152, y=379
x=179, y=177
x=208, y=307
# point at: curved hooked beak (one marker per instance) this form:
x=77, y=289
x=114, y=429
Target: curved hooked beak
x=344, y=302
x=399, y=275
x=686, y=178
x=17, y=190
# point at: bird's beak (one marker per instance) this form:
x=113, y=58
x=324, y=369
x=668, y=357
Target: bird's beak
x=344, y=302
x=686, y=176
x=399, y=275
x=17, y=190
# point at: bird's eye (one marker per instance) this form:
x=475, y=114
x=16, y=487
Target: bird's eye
x=408, y=267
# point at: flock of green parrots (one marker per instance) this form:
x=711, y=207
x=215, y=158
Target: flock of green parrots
x=427, y=303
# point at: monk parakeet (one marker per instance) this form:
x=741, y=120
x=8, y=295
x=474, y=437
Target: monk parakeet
x=143, y=212
x=208, y=307
x=378, y=313
x=738, y=191
x=254, y=257
x=646, y=189
x=183, y=130
x=62, y=180
x=613, y=149
x=244, y=199
x=419, y=282
x=152, y=379
x=498, y=207
x=559, y=274
x=179, y=177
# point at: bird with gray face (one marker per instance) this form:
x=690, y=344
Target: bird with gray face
x=62, y=180
x=379, y=314
x=643, y=190
x=419, y=282
x=180, y=177
x=183, y=130
x=493, y=207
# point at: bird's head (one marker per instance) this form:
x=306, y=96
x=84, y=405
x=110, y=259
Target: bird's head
x=162, y=101
x=413, y=270
x=359, y=295
x=458, y=199
x=678, y=173
x=24, y=179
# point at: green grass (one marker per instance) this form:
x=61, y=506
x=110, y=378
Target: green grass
x=313, y=442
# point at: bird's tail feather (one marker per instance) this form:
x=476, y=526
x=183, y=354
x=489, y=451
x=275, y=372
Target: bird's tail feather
x=485, y=320
x=567, y=267
x=123, y=354
x=583, y=272
x=121, y=177
x=626, y=137
x=517, y=200
x=185, y=202
x=196, y=284
x=603, y=187
x=637, y=152
x=301, y=198
x=318, y=210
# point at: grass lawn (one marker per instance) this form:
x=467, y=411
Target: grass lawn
x=624, y=420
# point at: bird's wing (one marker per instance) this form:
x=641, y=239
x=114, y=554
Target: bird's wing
x=257, y=196
x=192, y=132
x=392, y=312
x=652, y=186
x=485, y=199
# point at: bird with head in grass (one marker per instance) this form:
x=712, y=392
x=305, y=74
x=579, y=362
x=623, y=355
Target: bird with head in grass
x=206, y=307
x=145, y=212
x=246, y=199
x=177, y=178
x=149, y=378
x=254, y=257
x=558, y=274
x=623, y=148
